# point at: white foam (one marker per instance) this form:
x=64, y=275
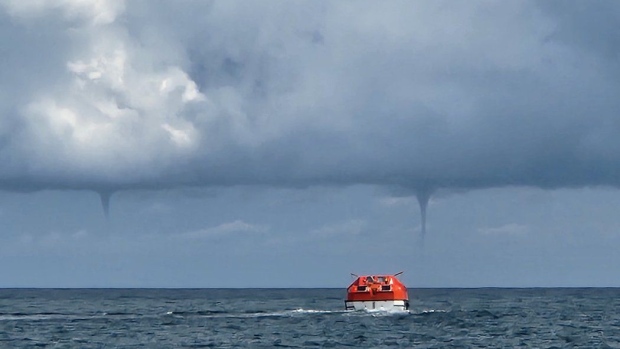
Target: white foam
x=312, y=311
x=393, y=311
x=429, y=311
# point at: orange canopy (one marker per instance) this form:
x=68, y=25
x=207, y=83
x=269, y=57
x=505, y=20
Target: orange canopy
x=377, y=288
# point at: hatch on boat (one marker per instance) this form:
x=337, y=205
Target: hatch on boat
x=381, y=292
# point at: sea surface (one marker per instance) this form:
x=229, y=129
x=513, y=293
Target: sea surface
x=307, y=318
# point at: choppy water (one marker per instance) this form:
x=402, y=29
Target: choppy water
x=306, y=318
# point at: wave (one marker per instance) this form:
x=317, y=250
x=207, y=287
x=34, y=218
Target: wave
x=431, y=311
x=201, y=314
x=312, y=311
x=45, y=317
x=378, y=312
x=252, y=313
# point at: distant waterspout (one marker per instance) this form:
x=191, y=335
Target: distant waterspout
x=423, y=195
x=105, y=202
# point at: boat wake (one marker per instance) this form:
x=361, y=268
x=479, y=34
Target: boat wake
x=431, y=311
x=253, y=314
x=302, y=312
x=312, y=311
x=386, y=311
x=378, y=312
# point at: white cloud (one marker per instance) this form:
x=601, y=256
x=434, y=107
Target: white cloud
x=511, y=229
x=231, y=229
x=50, y=240
x=398, y=201
x=96, y=11
x=118, y=114
x=347, y=228
x=80, y=234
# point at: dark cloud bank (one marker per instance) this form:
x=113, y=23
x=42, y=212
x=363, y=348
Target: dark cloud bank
x=418, y=96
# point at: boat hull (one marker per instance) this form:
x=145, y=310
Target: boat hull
x=387, y=305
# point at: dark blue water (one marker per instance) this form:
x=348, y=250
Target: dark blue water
x=307, y=318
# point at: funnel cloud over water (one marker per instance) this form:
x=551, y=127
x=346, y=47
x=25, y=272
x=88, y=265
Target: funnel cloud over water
x=155, y=94
x=105, y=202
x=423, y=195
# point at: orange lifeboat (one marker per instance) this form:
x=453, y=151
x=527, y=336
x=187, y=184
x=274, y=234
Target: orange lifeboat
x=382, y=292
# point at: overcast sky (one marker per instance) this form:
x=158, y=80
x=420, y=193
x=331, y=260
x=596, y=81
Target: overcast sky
x=287, y=144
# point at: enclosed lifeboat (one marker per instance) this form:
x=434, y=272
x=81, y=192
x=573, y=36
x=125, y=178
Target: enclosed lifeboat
x=382, y=292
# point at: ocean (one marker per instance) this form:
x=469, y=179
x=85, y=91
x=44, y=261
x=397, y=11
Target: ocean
x=307, y=318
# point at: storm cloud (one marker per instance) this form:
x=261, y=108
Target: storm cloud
x=115, y=95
